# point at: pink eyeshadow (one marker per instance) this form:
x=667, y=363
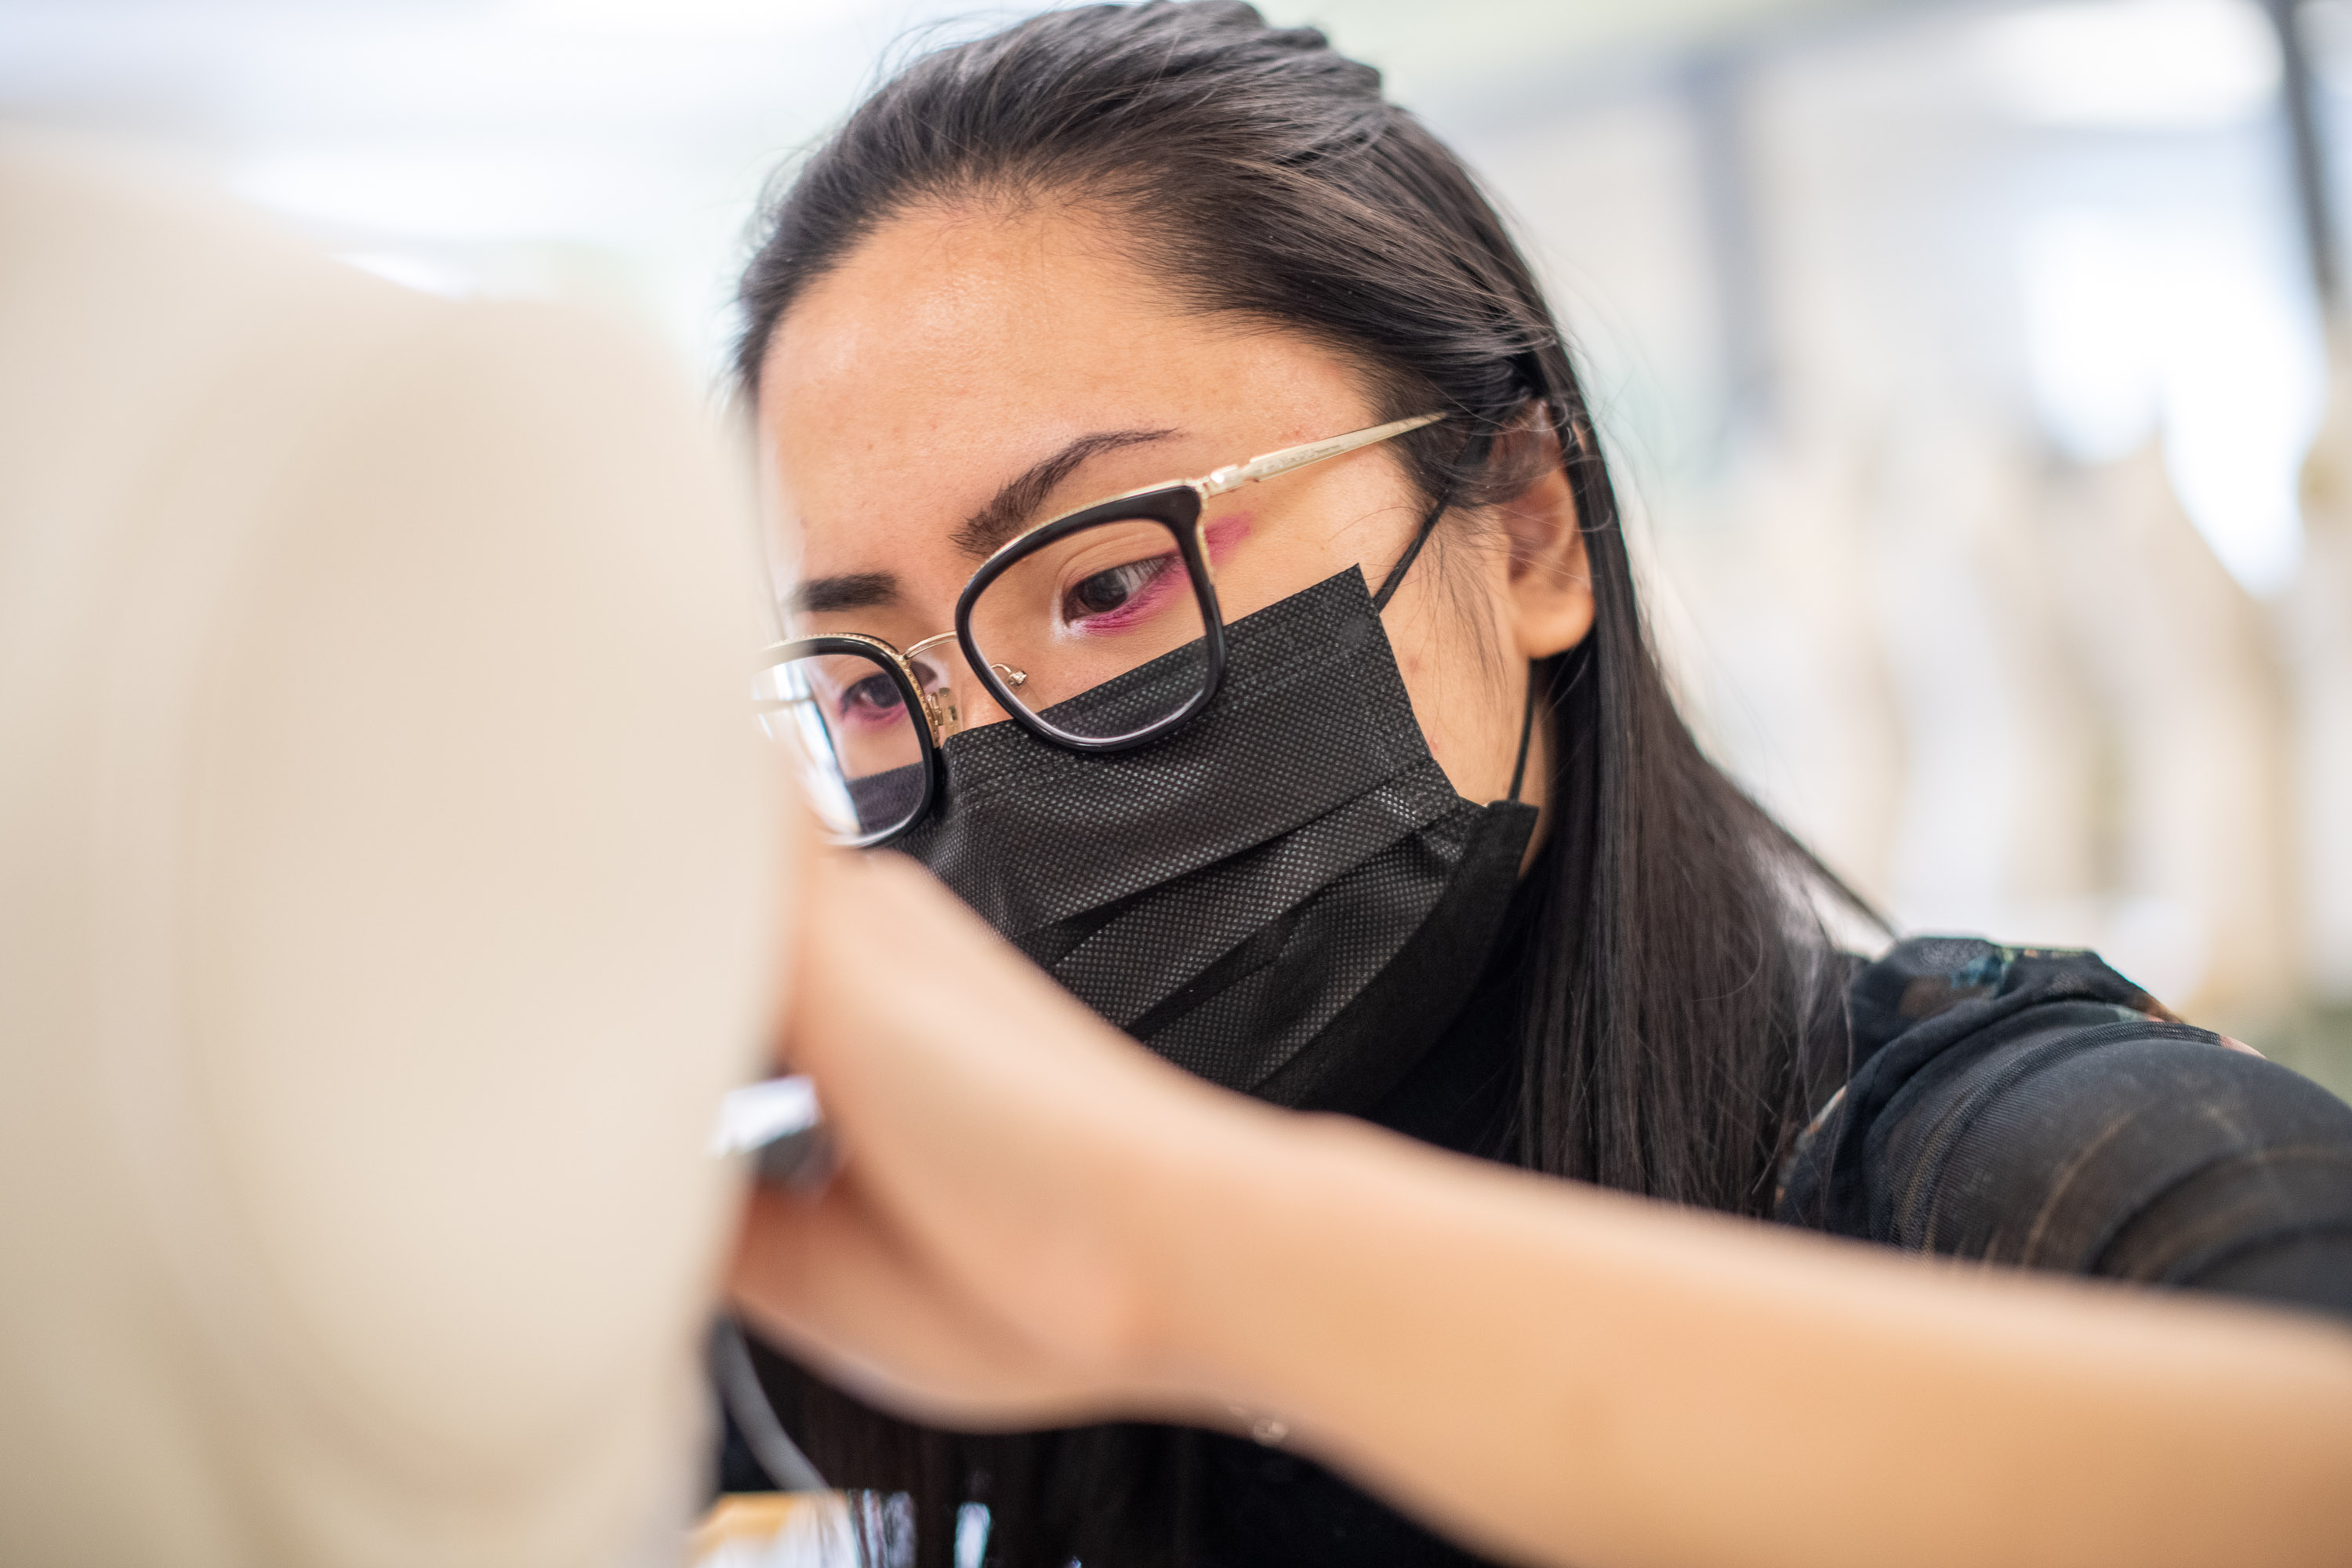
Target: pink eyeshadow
x=1226, y=532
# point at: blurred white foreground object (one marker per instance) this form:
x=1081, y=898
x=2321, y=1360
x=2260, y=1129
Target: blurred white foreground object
x=391, y=883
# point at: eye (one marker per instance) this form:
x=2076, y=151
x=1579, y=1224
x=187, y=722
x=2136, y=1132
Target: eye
x=874, y=696
x=1106, y=592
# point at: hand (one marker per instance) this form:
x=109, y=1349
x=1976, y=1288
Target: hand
x=1041, y=1223
x=979, y=1260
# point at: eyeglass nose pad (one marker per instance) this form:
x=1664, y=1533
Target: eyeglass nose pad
x=968, y=697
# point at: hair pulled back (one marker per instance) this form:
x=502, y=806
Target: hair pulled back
x=1679, y=1013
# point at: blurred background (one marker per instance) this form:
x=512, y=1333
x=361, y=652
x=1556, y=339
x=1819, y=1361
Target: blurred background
x=1967, y=367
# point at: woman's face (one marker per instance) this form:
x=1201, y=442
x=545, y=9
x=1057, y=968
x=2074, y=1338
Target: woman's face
x=965, y=374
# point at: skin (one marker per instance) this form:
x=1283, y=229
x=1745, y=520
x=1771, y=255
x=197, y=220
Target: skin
x=960, y=347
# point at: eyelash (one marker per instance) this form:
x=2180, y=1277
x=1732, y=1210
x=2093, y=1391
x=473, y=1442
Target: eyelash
x=1220, y=537
x=1148, y=594
x=855, y=712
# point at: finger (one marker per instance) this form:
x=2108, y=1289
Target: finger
x=996, y=1122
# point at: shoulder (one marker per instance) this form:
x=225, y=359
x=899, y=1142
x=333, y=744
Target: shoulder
x=2033, y=1107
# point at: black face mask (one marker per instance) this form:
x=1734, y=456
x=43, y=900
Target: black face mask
x=1285, y=897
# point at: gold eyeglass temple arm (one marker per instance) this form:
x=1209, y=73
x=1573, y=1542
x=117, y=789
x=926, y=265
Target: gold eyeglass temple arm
x=1234, y=476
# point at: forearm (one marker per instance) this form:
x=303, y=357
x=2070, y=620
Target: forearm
x=1555, y=1373
x=1564, y=1375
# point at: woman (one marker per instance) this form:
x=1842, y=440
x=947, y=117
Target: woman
x=1344, y=777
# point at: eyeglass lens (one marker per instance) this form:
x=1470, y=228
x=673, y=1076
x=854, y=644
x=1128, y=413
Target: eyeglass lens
x=857, y=744
x=1099, y=632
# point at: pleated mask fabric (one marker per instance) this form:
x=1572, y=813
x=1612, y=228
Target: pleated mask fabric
x=1285, y=897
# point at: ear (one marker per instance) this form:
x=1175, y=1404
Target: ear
x=1550, y=583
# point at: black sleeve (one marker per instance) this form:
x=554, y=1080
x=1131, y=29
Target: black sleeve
x=2045, y=1120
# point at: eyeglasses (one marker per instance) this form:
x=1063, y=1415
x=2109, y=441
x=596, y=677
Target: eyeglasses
x=1098, y=630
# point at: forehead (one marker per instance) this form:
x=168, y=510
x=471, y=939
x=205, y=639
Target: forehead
x=954, y=347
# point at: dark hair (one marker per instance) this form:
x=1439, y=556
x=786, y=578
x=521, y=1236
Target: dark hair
x=1680, y=1016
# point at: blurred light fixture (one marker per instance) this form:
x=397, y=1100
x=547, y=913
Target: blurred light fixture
x=2133, y=326
x=492, y=192
x=2091, y=346
x=421, y=273
x=2133, y=64
x=689, y=17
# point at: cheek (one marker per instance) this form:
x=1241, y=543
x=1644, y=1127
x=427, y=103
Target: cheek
x=1464, y=683
x=1226, y=535
x=1470, y=737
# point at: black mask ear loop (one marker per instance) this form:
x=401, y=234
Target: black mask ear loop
x=1526, y=729
x=1390, y=584
x=1404, y=563
x=1395, y=578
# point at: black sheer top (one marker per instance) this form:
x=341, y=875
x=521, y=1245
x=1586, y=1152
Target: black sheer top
x=2033, y=1108
x=2016, y=1106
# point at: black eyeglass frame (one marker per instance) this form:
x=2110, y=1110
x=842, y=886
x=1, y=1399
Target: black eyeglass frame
x=1176, y=507
x=919, y=707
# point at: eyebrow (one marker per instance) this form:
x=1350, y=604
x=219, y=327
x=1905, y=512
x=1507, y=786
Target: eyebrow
x=851, y=590
x=1012, y=505
x=979, y=533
